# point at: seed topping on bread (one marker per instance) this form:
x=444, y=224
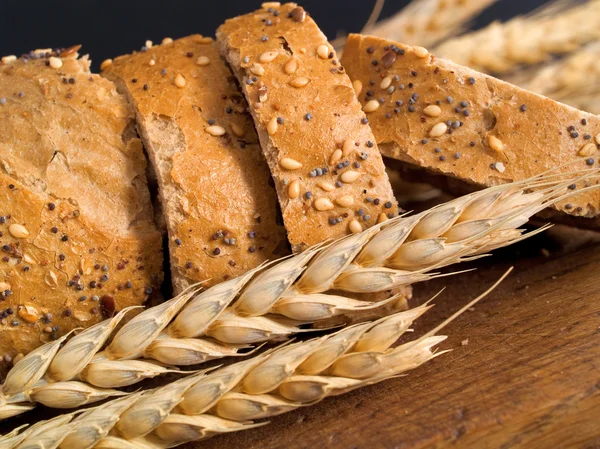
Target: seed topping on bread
x=283, y=61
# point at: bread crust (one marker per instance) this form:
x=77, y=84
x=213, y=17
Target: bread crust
x=77, y=236
x=216, y=190
x=304, y=109
x=536, y=134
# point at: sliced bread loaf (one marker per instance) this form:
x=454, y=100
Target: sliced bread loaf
x=328, y=172
x=452, y=120
x=215, y=188
x=77, y=235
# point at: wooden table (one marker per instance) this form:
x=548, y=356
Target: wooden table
x=524, y=371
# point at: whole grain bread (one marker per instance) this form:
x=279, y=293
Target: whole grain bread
x=449, y=119
x=328, y=172
x=215, y=187
x=76, y=224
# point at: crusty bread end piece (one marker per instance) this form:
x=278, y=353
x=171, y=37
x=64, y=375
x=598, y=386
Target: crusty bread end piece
x=455, y=121
x=77, y=236
x=215, y=187
x=328, y=172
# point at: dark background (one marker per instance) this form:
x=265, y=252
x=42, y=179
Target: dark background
x=110, y=28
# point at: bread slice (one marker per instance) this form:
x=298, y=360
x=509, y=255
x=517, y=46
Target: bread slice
x=77, y=235
x=455, y=121
x=215, y=188
x=328, y=172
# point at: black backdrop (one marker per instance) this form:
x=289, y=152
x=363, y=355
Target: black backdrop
x=112, y=27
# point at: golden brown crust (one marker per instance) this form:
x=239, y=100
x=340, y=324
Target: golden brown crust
x=76, y=229
x=304, y=109
x=220, y=208
x=535, y=133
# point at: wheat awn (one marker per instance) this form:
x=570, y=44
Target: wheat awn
x=271, y=302
x=231, y=398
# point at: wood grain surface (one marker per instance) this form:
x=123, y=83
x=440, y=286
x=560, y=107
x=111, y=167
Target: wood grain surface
x=524, y=371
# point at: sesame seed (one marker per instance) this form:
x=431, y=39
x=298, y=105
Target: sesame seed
x=471, y=80
x=364, y=120
x=308, y=195
x=21, y=94
x=178, y=241
x=179, y=81
x=523, y=107
x=411, y=108
x=589, y=161
x=217, y=251
x=264, y=38
x=432, y=110
x=583, y=121
x=442, y=158
x=456, y=155
x=252, y=249
x=2, y=100
x=203, y=61
x=450, y=100
x=472, y=144
x=308, y=116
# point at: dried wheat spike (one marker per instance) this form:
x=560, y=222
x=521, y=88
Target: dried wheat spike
x=502, y=47
x=568, y=80
x=269, y=303
x=427, y=22
x=229, y=399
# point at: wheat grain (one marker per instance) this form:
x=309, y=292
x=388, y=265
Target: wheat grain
x=231, y=398
x=502, y=47
x=426, y=22
x=264, y=304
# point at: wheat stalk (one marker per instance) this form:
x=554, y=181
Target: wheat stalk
x=427, y=22
x=269, y=303
x=229, y=399
x=525, y=40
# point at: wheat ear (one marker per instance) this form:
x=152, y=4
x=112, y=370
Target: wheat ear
x=231, y=398
x=525, y=40
x=269, y=303
x=571, y=80
x=427, y=22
